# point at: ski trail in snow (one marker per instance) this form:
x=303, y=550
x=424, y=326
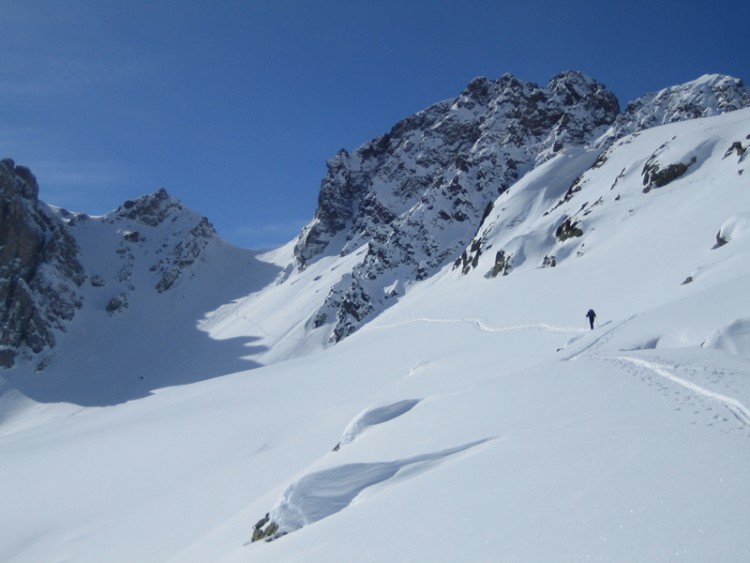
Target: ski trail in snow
x=740, y=411
x=599, y=338
x=483, y=326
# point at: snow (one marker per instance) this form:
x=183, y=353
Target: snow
x=478, y=419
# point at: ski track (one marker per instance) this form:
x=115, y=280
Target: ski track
x=483, y=326
x=600, y=340
x=738, y=410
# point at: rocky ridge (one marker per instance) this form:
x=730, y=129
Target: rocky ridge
x=415, y=198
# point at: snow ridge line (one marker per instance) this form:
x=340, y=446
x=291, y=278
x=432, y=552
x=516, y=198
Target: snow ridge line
x=482, y=326
x=740, y=411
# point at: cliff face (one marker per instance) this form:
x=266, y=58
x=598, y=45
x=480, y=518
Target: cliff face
x=40, y=274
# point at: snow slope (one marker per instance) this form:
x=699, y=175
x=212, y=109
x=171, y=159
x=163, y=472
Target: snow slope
x=477, y=420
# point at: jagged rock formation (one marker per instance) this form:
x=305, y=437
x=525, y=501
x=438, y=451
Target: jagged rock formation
x=40, y=273
x=147, y=244
x=414, y=199
x=154, y=210
x=415, y=196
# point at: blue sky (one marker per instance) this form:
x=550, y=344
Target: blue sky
x=235, y=106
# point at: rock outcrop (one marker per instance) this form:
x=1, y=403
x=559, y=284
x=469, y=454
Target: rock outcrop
x=40, y=274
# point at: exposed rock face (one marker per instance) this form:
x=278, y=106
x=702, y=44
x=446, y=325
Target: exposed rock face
x=415, y=196
x=39, y=268
x=155, y=210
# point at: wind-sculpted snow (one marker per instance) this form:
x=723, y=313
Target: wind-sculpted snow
x=736, y=226
x=374, y=416
x=733, y=338
x=323, y=493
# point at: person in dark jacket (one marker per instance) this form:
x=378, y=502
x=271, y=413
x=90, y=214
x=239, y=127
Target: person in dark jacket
x=591, y=316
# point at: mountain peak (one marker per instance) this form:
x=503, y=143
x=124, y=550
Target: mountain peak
x=151, y=209
x=415, y=196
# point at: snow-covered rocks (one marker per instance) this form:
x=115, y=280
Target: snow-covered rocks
x=416, y=195
x=711, y=94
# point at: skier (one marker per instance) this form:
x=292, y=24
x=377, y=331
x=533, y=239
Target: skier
x=591, y=316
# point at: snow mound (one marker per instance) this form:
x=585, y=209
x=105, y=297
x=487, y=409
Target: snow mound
x=324, y=493
x=372, y=417
x=733, y=339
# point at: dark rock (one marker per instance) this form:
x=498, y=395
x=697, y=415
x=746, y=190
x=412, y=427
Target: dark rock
x=720, y=240
x=656, y=177
x=39, y=269
x=737, y=148
x=117, y=304
x=150, y=210
x=502, y=264
x=184, y=254
x=262, y=522
x=568, y=229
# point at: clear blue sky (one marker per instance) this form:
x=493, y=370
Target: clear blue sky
x=234, y=106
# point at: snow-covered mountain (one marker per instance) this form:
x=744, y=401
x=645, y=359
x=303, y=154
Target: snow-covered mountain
x=466, y=411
